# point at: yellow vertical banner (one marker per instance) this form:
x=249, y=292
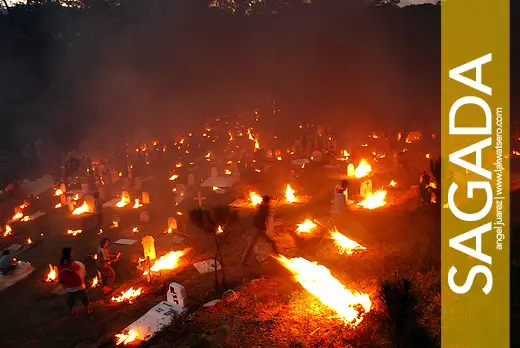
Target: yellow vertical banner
x=475, y=163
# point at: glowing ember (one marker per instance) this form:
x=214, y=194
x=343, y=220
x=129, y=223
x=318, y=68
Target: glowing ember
x=24, y=205
x=279, y=158
x=433, y=185
x=7, y=230
x=128, y=296
x=135, y=229
x=84, y=208
x=307, y=227
x=125, y=339
x=374, y=200
x=169, y=230
x=392, y=184
x=289, y=194
x=220, y=230
x=137, y=204
x=257, y=170
x=123, y=202
x=255, y=198
x=59, y=205
x=26, y=218
x=178, y=165
x=52, y=275
x=215, y=188
x=115, y=224
x=516, y=153
x=318, y=281
x=76, y=196
x=363, y=169
x=169, y=261
x=58, y=192
x=345, y=244
x=74, y=232
x=173, y=177
x=257, y=145
x=227, y=172
x=95, y=282
x=28, y=241
x=208, y=155
x=428, y=155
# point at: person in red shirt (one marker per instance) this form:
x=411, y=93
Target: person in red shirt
x=71, y=277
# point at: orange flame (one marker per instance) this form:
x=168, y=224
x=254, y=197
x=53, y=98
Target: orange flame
x=58, y=192
x=289, y=194
x=392, y=184
x=219, y=230
x=255, y=198
x=137, y=204
x=178, y=165
x=28, y=241
x=374, y=200
x=7, y=230
x=135, y=229
x=318, y=281
x=95, y=282
x=227, y=172
x=123, y=202
x=257, y=145
x=74, y=232
x=306, y=227
x=59, y=205
x=169, y=261
x=173, y=177
x=128, y=296
x=345, y=244
x=17, y=216
x=26, y=218
x=52, y=275
x=126, y=338
x=84, y=208
x=363, y=169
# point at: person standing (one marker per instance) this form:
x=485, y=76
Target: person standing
x=260, y=229
x=104, y=259
x=424, y=183
x=71, y=276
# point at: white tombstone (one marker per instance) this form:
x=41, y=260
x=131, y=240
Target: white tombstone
x=214, y=173
x=89, y=199
x=176, y=296
x=126, y=196
x=365, y=188
x=351, y=169
x=145, y=198
x=144, y=217
x=138, y=185
x=191, y=180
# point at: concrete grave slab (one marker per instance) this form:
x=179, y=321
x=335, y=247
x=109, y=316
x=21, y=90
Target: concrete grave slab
x=126, y=241
x=206, y=266
x=22, y=271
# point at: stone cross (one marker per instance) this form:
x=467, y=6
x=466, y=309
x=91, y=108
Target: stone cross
x=199, y=199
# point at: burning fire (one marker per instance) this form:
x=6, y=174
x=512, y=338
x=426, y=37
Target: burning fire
x=173, y=177
x=227, y=172
x=115, y=224
x=257, y=145
x=128, y=296
x=279, y=158
x=363, y=169
x=345, y=154
x=428, y=155
x=345, y=244
x=307, y=227
x=169, y=230
x=433, y=185
x=137, y=204
x=374, y=200
x=26, y=218
x=215, y=188
x=255, y=198
x=178, y=165
x=76, y=196
x=84, y=208
x=219, y=230
x=135, y=229
x=95, y=282
x=289, y=194
x=125, y=339
x=318, y=281
x=392, y=184
x=169, y=261
x=123, y=202
x=8, y=230
x=58, y=192
x=17, y=216
x=28, y=241
x=59, y=205
x=52, y=275
x=74, y=232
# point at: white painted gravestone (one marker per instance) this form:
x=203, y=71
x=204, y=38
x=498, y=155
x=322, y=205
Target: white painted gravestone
x=366, y=188
x=176, y=296
x=351, y=169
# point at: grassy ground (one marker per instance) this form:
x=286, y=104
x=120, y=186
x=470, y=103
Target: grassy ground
x=267, y=307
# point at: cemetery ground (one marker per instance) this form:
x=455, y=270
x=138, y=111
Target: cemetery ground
x=266, y=307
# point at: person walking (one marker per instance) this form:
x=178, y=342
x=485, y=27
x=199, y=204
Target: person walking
x=104, y=259
x=71, y=276
x=260, y=229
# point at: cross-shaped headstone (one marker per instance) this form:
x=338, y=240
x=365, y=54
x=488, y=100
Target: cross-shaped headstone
x=199, y=199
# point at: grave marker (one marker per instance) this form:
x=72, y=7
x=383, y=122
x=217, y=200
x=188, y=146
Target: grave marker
x=366, y=188
x=176, y=296
x=351, y=170
x=145, y=198
x=149, y=247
